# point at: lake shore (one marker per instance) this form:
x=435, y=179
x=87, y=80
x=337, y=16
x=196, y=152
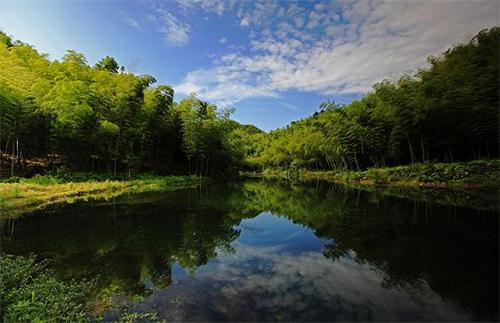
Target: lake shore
x=464, y=175
x=474, y=183
x=29, y=194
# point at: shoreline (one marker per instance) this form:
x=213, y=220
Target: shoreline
x=472, y=184
x=478, y=174
x=28, y=195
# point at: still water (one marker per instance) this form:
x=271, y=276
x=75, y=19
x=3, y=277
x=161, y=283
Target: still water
x=274, y=251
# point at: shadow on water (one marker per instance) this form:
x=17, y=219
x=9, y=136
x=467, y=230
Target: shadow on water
x=261, y=250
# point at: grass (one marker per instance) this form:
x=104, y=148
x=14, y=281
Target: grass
x=31, y=292
x=464, y=175
x=472, y=184
x=22, y=195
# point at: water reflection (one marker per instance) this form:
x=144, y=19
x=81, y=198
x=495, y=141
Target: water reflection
x=276, y=251
x=131, y=244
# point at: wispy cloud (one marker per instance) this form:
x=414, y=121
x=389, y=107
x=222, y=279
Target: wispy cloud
x=294, y=287
x=175, y=31
x=133, y=23
x=215, y=6
x=224, y=86
x=169, y=16
x=332, y=47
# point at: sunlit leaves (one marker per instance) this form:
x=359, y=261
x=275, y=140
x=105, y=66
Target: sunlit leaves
x=447, y=112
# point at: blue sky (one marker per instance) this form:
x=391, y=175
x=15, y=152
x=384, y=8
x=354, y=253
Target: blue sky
x=273, y=61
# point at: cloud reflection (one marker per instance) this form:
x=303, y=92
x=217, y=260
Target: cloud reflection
x=263, y=283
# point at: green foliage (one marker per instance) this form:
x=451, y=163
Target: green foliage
x=19, y=196
x=30, y=292
x=137, y=316
x=5, y=39
x=209, y=137
x=481, y=174
x=108, y=64
x=103, y=119
x=447, y=113
x=484, y=173
x=100, y=119
x=41, y=180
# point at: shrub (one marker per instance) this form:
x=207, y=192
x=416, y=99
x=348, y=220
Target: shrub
x=41, y=180
x=30, y=292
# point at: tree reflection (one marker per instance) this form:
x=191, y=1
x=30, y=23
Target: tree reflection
x=454, y=250
x=134, y=243
x=131, y=245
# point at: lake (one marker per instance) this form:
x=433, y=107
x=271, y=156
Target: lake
x=274, y=251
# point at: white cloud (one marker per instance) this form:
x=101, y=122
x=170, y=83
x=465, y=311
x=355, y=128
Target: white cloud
x=223, y=86
x=297, y=287
x=133, y=23
x=345, y=47
x=245, y=22
x=215, y=6
x=175, y=32
x=222, y=41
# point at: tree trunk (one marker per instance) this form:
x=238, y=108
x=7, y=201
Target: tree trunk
x=157, y=148
x=7, y=143
x=356, y=161
x=1, y=151
x=423, y=150
x=411, y=150
x=116, y=155
x=12, y=157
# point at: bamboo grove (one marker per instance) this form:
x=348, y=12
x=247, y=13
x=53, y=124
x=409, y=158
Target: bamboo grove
x=68, y=114
x=103, y=119
x=447, y=112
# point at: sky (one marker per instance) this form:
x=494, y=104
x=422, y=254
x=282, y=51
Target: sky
x=272, y=61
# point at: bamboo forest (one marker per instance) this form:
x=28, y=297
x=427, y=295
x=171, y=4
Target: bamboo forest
x=129, y=196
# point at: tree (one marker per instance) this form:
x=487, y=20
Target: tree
x=99, y=119
x=446, y=112
x=109, y=64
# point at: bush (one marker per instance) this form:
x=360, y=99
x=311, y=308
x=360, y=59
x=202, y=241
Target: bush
x=41, y=180
x=13, y=179
x=30, y=292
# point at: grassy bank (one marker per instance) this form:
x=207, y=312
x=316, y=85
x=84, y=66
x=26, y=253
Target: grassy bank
x=465, y=175
x=471, y=184
x=31, y=292
x=19, y=195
